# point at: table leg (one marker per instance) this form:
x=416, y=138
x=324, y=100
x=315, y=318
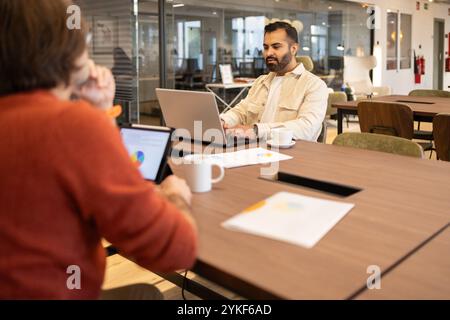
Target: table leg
x=340, y=115
x=227, y=106
x=238, y=96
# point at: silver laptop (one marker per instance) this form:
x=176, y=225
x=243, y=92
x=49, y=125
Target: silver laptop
x=195, y=116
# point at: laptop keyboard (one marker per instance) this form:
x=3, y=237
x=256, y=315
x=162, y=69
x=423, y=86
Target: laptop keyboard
x=233, y=140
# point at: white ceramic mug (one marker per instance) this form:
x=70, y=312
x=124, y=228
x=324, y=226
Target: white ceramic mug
x=282, y=136
x=198, y=174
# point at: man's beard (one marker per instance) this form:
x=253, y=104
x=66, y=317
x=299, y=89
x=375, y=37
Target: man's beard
x=280, y=65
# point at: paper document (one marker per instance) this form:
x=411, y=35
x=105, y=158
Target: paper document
x=291, y=218
x=226, y=73
x=244, y=157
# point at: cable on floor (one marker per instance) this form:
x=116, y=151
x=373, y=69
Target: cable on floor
x=184, y=285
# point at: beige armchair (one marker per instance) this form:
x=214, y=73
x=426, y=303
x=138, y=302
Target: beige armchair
x=356, y=75
x=307, y=62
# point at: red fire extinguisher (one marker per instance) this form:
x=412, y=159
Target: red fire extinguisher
x=416, y=69
x=419, y=65
x=422, y=65
x=447, y=60
x=420, y=61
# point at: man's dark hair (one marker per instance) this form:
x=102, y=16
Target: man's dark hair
x=37, y=50
x=290, y=30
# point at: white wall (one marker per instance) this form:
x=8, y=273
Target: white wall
x=402, y=81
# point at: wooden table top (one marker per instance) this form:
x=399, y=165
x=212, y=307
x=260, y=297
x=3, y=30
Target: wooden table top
x=427, y=106
x=403, y=202
x=424, y=275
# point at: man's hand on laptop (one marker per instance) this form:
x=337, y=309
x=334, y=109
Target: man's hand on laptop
x=241, y=131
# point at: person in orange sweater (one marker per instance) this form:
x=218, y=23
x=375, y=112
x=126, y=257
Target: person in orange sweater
x=66, y=179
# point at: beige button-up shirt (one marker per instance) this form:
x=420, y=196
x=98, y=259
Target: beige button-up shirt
x=302, y=105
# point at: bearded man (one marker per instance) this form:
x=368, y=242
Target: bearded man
x=288, y=97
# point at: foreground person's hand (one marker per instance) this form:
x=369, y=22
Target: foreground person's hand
x=174, y=186
x=100, y=87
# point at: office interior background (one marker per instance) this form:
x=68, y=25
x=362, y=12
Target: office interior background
x=180, y=43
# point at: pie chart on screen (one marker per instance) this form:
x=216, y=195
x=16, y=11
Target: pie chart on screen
x=138, y=158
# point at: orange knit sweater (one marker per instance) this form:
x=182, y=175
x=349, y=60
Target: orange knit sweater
x=66, y=181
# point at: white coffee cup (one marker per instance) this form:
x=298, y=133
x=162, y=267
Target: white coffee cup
x=282, y=136
x=198, y=173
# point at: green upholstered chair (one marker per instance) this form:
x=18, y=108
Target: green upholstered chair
x=430, y=93
x=307, y=62
x=323, y=134
x=379, y=142
x=335, y=97
x=441, y=132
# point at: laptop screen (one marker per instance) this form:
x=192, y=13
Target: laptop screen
x=147, y=149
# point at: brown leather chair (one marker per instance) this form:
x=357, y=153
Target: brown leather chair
x=394, y=119
x=441, y=132
x=389, y=118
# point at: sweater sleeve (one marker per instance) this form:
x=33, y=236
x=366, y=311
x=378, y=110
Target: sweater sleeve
x=109, y=191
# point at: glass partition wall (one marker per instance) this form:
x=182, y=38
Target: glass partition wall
x=200, y=35
x=203, y=34
x=112, y=25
